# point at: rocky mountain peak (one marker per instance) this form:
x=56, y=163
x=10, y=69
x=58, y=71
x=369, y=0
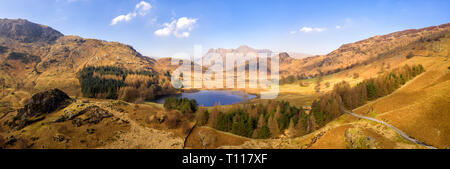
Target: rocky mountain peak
x=27, y=32
x=244, y=48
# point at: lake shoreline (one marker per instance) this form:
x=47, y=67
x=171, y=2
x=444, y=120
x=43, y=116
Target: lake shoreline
x=244, y=90
x=209, y=98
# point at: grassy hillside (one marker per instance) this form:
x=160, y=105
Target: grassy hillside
x=44, y=59
x=366, y=51
x=420, y=108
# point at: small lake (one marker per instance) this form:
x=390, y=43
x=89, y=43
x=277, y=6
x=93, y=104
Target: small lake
x=209, y=98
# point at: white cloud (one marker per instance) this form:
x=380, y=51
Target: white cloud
x=142, y=8
x=180, y=28
x=310, y=29
x=306, y=29
x=185, y=23
x=166, y=31
x=338, y=27
x=121, y=18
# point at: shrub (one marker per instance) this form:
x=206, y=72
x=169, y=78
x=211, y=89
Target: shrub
x=202, y=116
x=410, y=55
x=173, y=120
x=183, y=104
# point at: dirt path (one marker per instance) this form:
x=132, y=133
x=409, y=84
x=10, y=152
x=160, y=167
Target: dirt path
x=401, y=133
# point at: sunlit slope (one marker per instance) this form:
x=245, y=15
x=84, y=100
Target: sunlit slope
x=421, y=108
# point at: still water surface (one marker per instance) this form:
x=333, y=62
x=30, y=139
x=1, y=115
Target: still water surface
x=213, y=97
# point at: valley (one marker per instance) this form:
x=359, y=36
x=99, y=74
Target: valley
x=104, y=95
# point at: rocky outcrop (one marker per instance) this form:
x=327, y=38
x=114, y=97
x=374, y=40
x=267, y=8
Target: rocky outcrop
x=356, y=140
x=89, y=115
x=38, y=106
x=285, y=58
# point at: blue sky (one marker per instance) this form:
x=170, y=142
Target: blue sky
x=160, y=28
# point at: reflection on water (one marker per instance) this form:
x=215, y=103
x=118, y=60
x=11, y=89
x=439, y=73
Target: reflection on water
x=213, y=97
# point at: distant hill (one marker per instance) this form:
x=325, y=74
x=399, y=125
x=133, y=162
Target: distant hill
x=221, y=53
x=44, y=58
x=386, y=51
x=297, y=55
x=364, y=52
x=27, y=32
x=367, y=51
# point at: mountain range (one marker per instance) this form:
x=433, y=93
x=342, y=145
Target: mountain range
x=35, y=59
